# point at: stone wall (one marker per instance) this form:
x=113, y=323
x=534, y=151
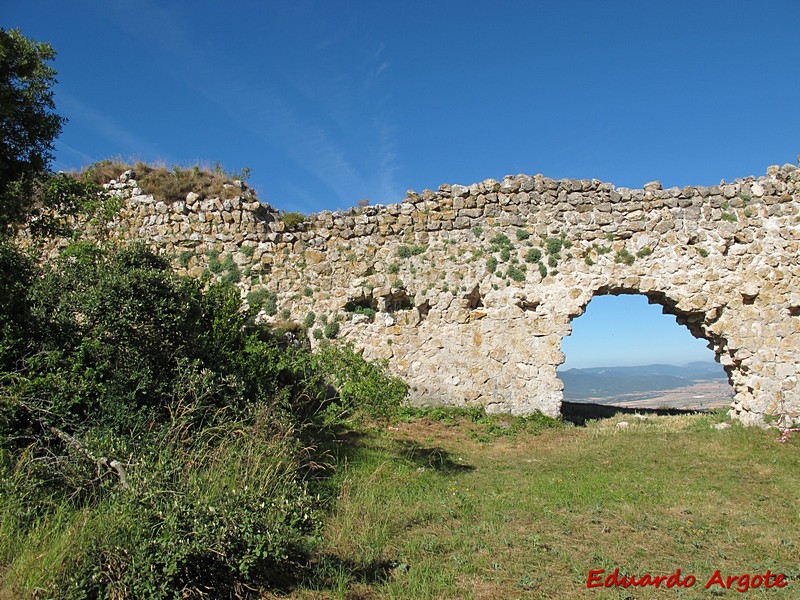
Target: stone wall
x=475, y=286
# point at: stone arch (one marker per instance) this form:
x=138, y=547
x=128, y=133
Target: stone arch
x=715, y=321
x=696, y=321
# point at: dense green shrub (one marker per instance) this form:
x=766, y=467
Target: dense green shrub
x=150, y=431
x=232, y=272
x=363, y=387
x=17, y=272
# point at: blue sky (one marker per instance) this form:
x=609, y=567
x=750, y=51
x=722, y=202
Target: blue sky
x=626, y=330
x=331, y=102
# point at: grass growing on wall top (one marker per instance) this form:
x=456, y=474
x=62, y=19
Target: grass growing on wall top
x=173, y=184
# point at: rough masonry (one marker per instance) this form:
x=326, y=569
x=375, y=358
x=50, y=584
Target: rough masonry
x=474, y=287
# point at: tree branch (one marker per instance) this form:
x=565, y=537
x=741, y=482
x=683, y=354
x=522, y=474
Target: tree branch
x=108, y=463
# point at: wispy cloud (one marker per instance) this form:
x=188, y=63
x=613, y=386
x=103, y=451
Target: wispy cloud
x=103, y=125
x=340, y=132
x=69, y=158
x=387, y=187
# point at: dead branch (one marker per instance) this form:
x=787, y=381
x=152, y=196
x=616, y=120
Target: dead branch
x=108, y=463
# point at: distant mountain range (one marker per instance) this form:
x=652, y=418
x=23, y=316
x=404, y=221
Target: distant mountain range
x=596, y=382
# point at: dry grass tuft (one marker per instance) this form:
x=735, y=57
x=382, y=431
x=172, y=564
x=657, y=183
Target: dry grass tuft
x=171, y=185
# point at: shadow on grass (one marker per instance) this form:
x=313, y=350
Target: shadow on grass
x=580, y=412
x=328, y=571
x=434, y=458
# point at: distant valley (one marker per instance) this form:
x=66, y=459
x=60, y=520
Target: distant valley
x=694, y=385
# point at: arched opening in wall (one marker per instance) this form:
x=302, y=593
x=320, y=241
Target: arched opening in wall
x=627, y=354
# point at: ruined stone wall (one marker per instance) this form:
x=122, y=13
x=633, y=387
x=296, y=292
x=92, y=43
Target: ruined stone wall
x=476, y=286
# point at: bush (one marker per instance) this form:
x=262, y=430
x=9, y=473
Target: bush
x=624, y=257
x=293, y=219
x=515, y=273
x=213, y=261
x=262, y=299
x=409, y=251
x=554, y=246
x=500, y=241
x=184, y=258
x=533, y=255
x=17, y=272
x=232, y=272
x=331, y=329
x=243, y=514
x=364, y=388
x=199, y=412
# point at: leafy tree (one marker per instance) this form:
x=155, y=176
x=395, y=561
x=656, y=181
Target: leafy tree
x=16, y=275
x=28, y=125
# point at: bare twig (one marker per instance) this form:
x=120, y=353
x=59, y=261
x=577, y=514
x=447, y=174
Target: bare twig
x=108, y=463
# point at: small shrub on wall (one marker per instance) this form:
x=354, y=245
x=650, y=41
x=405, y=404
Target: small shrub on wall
x=293, y=219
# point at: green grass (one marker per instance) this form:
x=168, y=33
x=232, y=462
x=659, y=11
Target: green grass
x=441, y=506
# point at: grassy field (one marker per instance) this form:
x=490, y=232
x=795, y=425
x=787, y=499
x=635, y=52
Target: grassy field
x=461, y=507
